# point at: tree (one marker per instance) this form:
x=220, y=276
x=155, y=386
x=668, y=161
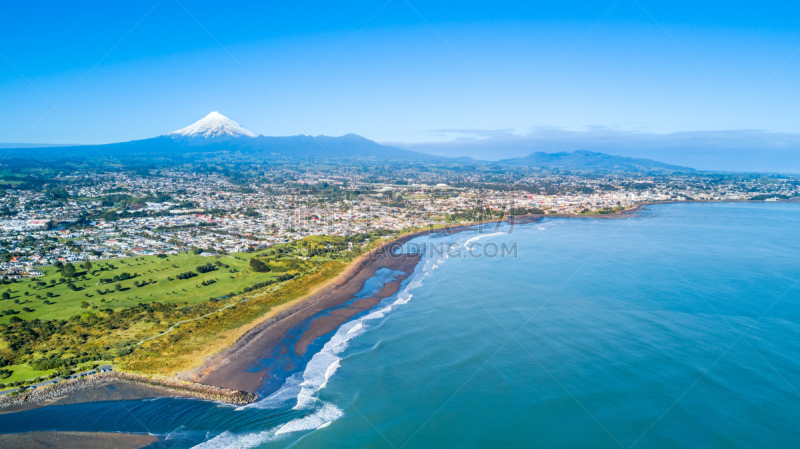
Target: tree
x=57, y=192
x=6, y=295
x=68, y=270
x=87, y=266
x=118, y=287
x=258, y=266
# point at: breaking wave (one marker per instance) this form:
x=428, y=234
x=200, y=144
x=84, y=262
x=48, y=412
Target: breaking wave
x=304, y=389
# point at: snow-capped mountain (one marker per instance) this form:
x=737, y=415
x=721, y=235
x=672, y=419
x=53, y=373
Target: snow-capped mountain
x=216, y=135
x=212, y=126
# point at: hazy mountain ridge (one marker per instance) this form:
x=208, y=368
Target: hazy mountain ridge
x=217, y=134
x=588, y=160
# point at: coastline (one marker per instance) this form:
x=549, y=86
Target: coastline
x=238, y=367
x=229, y=376
x=168, y=387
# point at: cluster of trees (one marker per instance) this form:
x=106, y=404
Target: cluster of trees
x=186, y=275
x=257, y=285
x=516, y=211
x=57, y=362
x=118, y=277
x=259, y=266
x=68, y=270
x=206, y=268
x=476, y=214
x=117, y=287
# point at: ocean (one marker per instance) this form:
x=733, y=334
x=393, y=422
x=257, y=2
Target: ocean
x=678, y=327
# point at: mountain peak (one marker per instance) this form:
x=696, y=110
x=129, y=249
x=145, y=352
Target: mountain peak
x=211, y=126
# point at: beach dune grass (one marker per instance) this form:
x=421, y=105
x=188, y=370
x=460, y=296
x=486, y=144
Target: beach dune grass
x=187, y=346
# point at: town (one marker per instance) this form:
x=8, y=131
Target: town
x=99, y=215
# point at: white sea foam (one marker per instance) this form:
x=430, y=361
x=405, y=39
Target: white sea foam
x=482, y=236
x=319, y=370
x=285, y=394
x=229, y=440
x=321, y=418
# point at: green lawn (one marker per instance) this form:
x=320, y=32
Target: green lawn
x=24, y=372
x=152, y=270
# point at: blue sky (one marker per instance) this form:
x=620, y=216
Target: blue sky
x=397, y=71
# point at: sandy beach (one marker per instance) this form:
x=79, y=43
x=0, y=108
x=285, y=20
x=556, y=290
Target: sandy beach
x=241, y=366
x=285, y=334
x=248, y=364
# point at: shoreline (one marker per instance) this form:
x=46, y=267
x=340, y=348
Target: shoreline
x=241, y=367
x=173, y=387
x=230, y=377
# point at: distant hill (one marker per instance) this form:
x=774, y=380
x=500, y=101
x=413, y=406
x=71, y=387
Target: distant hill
x=216, y=133
x=587, y=160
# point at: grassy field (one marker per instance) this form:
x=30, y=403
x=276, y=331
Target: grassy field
x=142, y=296
x=57, y=301
x=188, y=346
x=24, y=372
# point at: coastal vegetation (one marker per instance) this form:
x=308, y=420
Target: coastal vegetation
x=213, y=307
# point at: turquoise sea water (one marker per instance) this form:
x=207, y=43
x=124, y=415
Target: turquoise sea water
x=676, y=328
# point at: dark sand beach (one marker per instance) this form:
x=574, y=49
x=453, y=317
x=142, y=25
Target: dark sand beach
x=284, y=338
x=248, y=365
x=242, y=364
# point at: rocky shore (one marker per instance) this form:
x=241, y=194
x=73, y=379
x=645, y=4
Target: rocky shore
x=207, y=392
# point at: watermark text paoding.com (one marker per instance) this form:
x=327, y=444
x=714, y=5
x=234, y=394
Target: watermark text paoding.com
x=457, y=250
